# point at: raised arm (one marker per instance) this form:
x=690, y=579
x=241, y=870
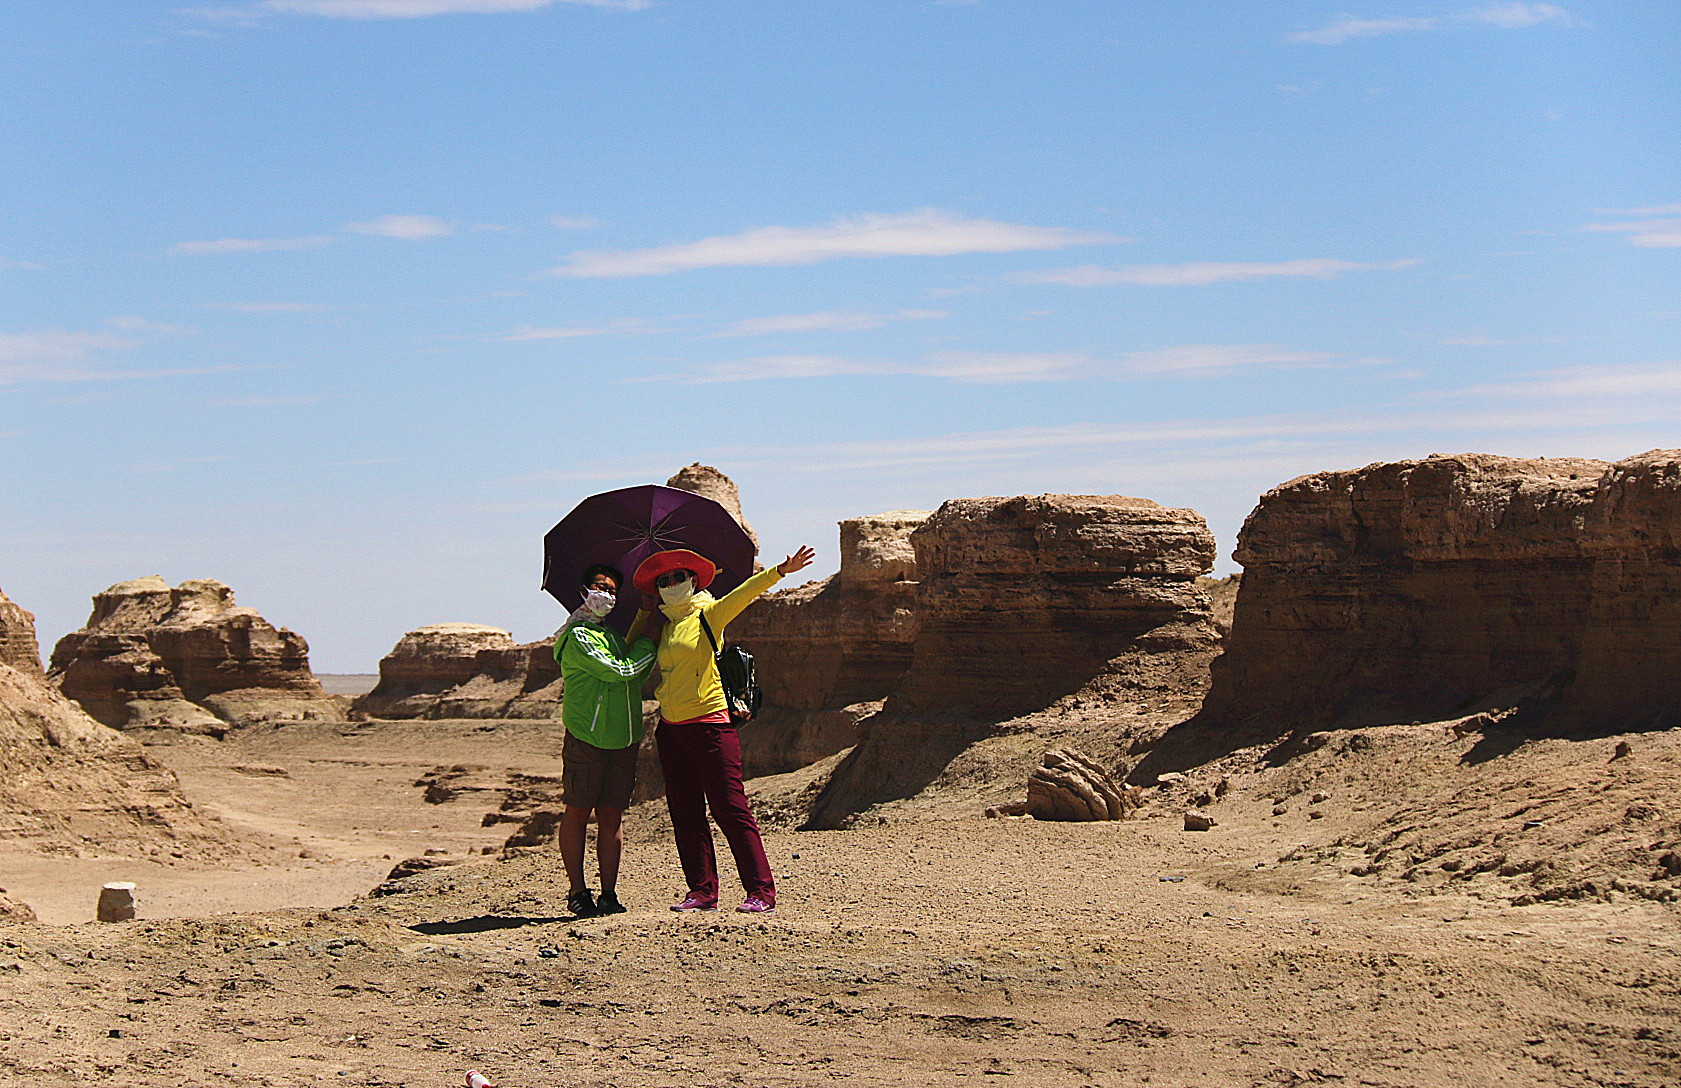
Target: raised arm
x=736, y=600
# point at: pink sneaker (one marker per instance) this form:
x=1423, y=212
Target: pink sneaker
x=756, y=905
x=695, y=901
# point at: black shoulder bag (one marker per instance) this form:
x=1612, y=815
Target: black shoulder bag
x=735, y=669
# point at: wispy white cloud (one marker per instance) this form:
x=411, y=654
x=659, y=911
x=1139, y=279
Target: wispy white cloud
x=1505, y=14
x=1583, y=383
x=826, y=321
x=925, y=233
x=60, y=355
x=1009, y=368
x=1202, y=273
x=1479, y=340
x=1510, y=15
x=572, y=332
x=1655, y=209
x=252, y=245
x=421, y=9
x=1349, y=27
x=22, y=266
x=574, y=222
x=131, y=323
x=408, y=227
x=1202, y=359
x=269, y=307
x=263, y=402
x=1648, y=233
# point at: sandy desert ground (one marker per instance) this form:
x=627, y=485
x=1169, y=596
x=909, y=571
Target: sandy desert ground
x=1272, y=950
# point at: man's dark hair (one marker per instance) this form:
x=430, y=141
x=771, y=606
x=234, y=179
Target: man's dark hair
x=602, y=568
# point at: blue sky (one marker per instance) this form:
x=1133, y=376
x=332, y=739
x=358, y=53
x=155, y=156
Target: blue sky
x=344, y=302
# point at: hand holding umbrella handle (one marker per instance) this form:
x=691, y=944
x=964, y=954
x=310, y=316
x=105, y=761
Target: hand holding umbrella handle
x=799, y=561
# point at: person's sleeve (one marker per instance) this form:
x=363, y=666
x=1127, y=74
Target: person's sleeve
x=639, y=625
x=592, y=652
x=736, y=600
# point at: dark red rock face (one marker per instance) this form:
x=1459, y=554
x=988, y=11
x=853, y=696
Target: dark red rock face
x=1422, y=589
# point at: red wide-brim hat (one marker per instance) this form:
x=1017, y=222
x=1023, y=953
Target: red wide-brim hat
x=675, y=559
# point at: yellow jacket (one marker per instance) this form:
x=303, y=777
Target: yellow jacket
x=689, y=684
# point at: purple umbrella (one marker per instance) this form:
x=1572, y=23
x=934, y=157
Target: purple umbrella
x=625, y=527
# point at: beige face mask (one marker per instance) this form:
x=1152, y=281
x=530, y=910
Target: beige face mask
x=679, y=593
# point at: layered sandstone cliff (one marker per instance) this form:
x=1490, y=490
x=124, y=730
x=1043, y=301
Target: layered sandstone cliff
x=69, y=785
x=18, y=647
x=186, y=657
x=828, y=652
x=1421, y=589
x=1023, y=602
x=464, y=670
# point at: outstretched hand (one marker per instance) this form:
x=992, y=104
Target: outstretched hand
x=800, y=560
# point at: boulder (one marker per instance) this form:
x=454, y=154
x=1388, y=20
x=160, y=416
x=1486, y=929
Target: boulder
x=187, y=658
x=1068, y=785
x=18, y=647
x=464, y=670
x=12, y=910
x=1024, y=600
x=1421, y=590
x=708, y=481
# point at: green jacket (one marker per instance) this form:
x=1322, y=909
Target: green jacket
x=601, y=692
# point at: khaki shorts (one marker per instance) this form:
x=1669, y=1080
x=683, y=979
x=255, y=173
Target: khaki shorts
x=592, y=777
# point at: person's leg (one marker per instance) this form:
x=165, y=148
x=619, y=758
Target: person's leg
x=574, y=827
x=609, y=844
x=686, y=801
x=719, y=764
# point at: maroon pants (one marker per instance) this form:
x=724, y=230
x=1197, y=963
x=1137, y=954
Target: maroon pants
x=702, y=765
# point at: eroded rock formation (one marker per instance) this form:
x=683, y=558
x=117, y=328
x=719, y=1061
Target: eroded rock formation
x=1422, y=589
x=187, y=658
x=708, y=481
x=69, y=785
x=1023, y=600
x=1068, y=785
x=18, y=647
x=828, y=652
x=464, y=670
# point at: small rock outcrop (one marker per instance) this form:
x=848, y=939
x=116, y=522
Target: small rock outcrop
x=828, y=652
x=708, y=481
x=464, y=670
x=1425, y=589
x=1070, y=786
x=18, y=647
x=69, y=785
x=11, y=910
x=188, y=658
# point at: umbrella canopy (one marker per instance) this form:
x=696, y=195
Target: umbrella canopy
x=625, y=527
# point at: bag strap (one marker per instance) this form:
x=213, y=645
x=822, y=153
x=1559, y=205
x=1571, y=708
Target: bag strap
x=707, y=627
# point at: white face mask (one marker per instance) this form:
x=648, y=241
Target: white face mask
x=599, y=602
x=679, y=593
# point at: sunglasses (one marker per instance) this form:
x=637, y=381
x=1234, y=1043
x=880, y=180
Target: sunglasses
x=672, y=578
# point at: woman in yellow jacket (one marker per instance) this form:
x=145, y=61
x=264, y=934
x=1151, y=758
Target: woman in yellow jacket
x=699, y=750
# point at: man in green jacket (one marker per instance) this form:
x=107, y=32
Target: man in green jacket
x=601, y=706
